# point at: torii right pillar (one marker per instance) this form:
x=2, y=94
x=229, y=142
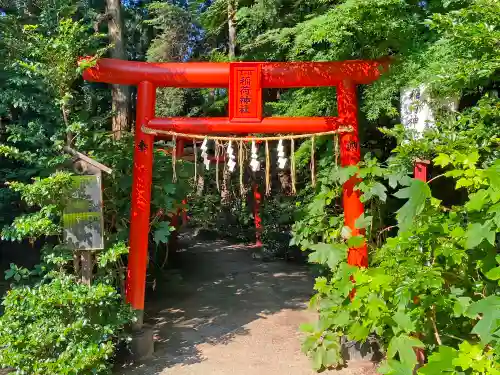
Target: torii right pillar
x=350, y=154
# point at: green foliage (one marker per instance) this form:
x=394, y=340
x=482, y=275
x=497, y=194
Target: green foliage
x=43, y=192
x=49, y=195
x=41, y=104
x=52, y=323
x=17, y=273
x=162, y=233
x=438, y=277
x=417, y=194
x=438, y=272
x=61, y=327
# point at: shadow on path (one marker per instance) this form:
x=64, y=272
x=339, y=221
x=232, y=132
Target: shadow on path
x=222, y=290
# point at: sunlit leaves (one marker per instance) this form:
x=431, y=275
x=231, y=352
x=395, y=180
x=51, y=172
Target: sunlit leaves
x=328, y=254
x=487, y=326
x=79, y=335
x=477, y=200
x=417, y=194
x=363, y=221
x=111, y=255
x=373, y=189
x=478, y=232
x=440, y=362
x=358, y=331
x=403, y=322
x=54, y=189
x=323, y=348
x=403, y=345
x=394, y=367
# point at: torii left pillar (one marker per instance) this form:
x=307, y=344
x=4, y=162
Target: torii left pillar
x=141, y=197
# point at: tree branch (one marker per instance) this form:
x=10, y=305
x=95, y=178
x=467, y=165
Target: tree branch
x=100, y=19
x=435, y=178
x=434, y=326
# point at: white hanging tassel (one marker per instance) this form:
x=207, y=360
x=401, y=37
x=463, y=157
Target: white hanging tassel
x=231, y=164
x=281, y=155
x=204, y=154
x=254, y=164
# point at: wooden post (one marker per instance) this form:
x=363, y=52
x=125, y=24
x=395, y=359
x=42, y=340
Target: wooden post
x=141, y=202
x=350, y=154
x=87, y=266
x=420, y=169
x=256, y=213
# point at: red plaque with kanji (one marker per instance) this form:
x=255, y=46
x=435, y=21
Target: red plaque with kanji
x=245, y=92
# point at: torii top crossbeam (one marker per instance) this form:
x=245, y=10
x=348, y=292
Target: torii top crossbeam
x=245, y=82
x=216, y=75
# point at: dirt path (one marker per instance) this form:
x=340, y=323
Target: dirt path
x=231, y=315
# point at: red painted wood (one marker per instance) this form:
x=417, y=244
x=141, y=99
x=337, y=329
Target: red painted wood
x=345, y=75
x=420, y=170
x=179, y=147
x=245, y=92
x=256, y=214
x=141, y=198
x=184, y=212
x=222, y=125
x=206, y=75
x=350, y=154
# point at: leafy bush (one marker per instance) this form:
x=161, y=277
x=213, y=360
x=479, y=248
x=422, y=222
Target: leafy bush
x=434, y=283
x=53, y=323
x=61, y=327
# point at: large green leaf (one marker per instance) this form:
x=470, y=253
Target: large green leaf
x=356, y=241
x=477, y=233
x=318, y=358
x=358, y=332
x=363, y=221
x=403, y=321
x=394, y=367
x=379, y=191
x=440, y=362
x=493, y=174
x=162, y=233
x=493, y=274
x=477, y=200
x=417, y=194
x=488, y=309
x=345, y=173
x=328, y=254
x=403, y=345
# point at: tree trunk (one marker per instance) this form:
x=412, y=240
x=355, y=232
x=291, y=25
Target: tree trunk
x=231, y=23
x=3, y=130
x=120, y=94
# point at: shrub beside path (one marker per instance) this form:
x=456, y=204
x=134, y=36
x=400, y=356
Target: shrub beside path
x=230, y=314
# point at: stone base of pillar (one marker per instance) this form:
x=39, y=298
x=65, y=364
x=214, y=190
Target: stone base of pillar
x=357, y=351
x=142, y=345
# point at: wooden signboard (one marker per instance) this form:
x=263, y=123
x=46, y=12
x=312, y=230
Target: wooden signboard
x=83, y=217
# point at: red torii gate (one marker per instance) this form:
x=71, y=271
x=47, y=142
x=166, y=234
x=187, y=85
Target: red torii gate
x=245, y=81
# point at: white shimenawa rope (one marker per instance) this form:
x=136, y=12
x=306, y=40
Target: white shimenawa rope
x=343, y=129
x=281, y=155
x=254, y=164
x=204, y=154
x=231, y=164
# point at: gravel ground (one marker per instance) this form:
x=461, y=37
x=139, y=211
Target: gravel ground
x=231, y=315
